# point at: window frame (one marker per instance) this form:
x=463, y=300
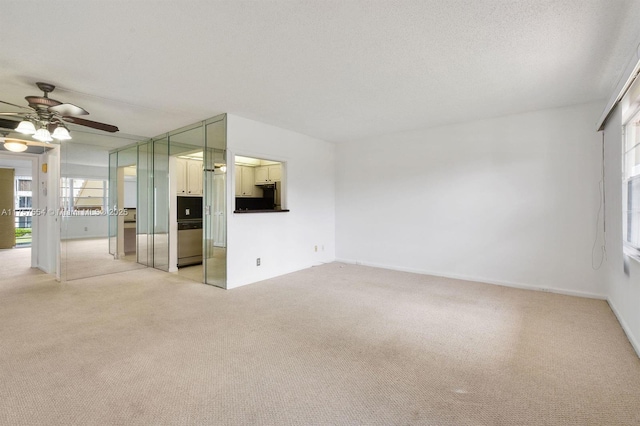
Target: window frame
x=630, y=130
x=23, y=214
x=70, y=194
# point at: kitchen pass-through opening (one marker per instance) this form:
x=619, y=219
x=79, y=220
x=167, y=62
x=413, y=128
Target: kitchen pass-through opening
x=259, y=185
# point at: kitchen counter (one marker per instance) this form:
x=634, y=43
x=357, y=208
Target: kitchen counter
x=261, y=211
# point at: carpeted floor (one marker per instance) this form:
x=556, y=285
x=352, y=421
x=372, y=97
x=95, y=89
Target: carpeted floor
x=334, y=344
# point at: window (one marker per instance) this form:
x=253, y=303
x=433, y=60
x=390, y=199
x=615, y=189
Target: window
x=83, y=195
x=23, y=210
x=631, y=186
x=24, y=185
x=24, y=222
x=24, y=202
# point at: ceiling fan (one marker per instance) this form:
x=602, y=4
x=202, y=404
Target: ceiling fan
x=45, y=118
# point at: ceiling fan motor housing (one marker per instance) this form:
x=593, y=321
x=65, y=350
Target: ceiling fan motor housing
x=45, y=87
x=42, y=102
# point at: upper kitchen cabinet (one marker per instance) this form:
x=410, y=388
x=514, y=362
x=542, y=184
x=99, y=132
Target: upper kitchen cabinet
x=181, y=174
x=245, y=182
x=189, y=177
x=269, y=174
x=194, y=177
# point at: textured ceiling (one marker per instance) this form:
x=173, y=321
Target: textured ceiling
x=334, y=70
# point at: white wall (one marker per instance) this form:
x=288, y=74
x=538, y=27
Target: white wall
x=21, y=167
x=284, y=241
x=623, y=286
x=130, y=192
x=85, y=227
x=510, y=200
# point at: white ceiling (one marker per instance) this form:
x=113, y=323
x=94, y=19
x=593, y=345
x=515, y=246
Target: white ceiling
x=336, y=70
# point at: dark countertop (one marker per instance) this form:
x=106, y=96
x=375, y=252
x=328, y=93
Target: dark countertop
x=261, y=211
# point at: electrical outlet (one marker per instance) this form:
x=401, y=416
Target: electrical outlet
x=258, y=262
x=323, y=247
x=86, y=229
x=315, y=248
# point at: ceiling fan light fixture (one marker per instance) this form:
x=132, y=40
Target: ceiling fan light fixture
x=15, y=146
x=61, y=133
x=49, y=113
x=26, y=128
x=43, y=135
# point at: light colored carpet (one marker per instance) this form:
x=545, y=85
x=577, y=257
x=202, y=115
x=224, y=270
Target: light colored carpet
x=16, y=269
x=334, y=344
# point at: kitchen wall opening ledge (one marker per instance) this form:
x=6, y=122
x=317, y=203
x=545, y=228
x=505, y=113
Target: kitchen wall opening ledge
x=261, y=211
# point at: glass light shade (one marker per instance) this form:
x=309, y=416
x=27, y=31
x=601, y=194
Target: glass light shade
x=42, y=135
x=61, y=134
x=15, y=146
x=26, y=128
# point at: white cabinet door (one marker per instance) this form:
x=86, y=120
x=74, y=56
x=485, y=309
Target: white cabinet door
x=238, y=181
x=262, y=175
x=194, y=177
x=275, y=173
x=248, y=181
x=268, y=174
x=181, y=176
x=245, y=177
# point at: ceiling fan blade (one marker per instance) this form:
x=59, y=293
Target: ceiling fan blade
x=8, y=124
x=68, y=109
x=92, y=124
x=17, y=106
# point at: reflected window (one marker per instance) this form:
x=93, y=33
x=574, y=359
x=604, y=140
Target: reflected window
x=83, y=194
x=24, y=184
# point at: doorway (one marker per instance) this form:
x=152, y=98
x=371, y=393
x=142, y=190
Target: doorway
x=16, y=203
x=29, y=240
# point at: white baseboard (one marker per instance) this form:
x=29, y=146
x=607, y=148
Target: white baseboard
x=480, y=280
x=634, y=343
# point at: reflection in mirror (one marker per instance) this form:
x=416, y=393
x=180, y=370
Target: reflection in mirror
x=126, y=199
x=168, y=195
x=144, y=212
x=186, y=164
x=215, y=184
x=198, y=202
x=160, y=205
x=89, y=192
